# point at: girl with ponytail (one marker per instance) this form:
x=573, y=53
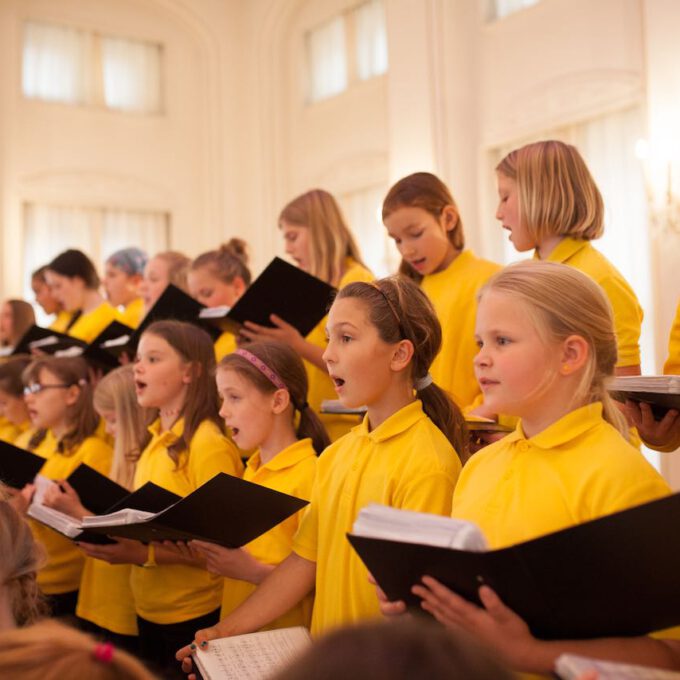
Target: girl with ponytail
x=382, y=338
x=264, y=395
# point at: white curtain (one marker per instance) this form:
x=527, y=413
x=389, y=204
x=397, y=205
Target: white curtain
x=56, y=63
x=327, y=59
x=371, y=39
x=362, y=211
x=132, y=75
x=123, y=228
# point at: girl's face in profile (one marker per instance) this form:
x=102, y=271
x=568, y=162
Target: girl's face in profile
x=357, y=358
x=211, y=291
x=509, y=214
x=297, y=243
x=67, y=290
x=155, y=280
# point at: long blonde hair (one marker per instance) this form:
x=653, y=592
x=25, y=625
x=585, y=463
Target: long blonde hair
x=557, y=194
x=51, y=651
x=115, y=393
x=562, y=301
x=331, y=241
x=20, y=559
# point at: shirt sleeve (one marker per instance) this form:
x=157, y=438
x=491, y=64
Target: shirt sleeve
x=627, y=319
x=305, y=542
x=98, y=455
x=210, y=453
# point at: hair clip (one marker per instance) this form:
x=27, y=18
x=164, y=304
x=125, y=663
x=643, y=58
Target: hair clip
x=103, y=652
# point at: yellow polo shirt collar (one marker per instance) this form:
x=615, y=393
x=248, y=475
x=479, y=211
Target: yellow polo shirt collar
x=395, y=425
x=565, y=249
x=289, y=457
x=566, y=429
x=167, y=438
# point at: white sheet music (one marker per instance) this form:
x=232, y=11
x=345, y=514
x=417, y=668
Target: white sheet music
x=255, y=656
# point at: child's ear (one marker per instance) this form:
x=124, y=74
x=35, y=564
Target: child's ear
x=239, y=286
x=402, y=355
x=280, y=401
x=72, y=394
x=191, y=371
x=575, y=353
x=449, y=218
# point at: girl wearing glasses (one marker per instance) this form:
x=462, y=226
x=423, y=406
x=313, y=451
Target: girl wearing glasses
x=59, y=400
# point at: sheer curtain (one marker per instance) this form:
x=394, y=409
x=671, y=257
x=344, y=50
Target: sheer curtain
x=56, y=63
x=503, y=8
x=371, y=39
x=327, y=59
x=123, y=228
x=132, y=75
x=98, y=232
x=362, y=210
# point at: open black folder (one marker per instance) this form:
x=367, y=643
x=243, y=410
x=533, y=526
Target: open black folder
x=101, y=495
x=47, y=341
x=18, y=467
x=661, y=392
x=297, y=297
x=614, y=576
x=225, y=510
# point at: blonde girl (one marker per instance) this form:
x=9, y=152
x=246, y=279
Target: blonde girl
x=15, y=420
x=218, y=278
x=549, y=202
x=21, y=602
x=52, y=651
x=546, y=347
x=123, y=273
x=422, y=218
x=173, y=375
x=59, y=399
x=318, y=239
x=74, y=282
x=16, y=317
x=382, y=338
x=162, y=269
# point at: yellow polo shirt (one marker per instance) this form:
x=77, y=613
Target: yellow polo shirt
x=576, y=470
x=8, y=430
x=225, y=344
x=406, y=462
x=24, y=438
x=291, y=471
x=453, y=292
x=627, y=311
x=172, y=593
x=672, y=365
x=132, y=313
x=61, y=321
x=64, y=565
x=90, y=324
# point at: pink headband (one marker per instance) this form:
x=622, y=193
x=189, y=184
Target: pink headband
x=103, y=652
x=263, y=368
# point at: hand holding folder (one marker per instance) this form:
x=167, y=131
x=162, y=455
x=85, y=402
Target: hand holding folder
x=610, y=577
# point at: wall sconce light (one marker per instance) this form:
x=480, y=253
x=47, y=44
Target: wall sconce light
x=663, y=198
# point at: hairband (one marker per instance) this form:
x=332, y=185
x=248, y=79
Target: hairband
x=103, y=651
x=373, y=284
x=423, y=382
x=263, y=368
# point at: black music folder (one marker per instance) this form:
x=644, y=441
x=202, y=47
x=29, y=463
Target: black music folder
x=226, y=510
x=614, y=576
x=297, y=297
x=173, y=304
x=106, y=349
x=18, y=467
x=49, y=342
x=661, y=392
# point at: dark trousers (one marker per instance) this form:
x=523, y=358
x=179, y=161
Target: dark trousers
x=130, y=643
x=158, y=643
x=63, y=605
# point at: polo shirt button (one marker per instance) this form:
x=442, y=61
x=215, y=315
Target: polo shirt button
x=523, y=446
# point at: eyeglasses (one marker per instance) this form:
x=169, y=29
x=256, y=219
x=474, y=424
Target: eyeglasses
x=37, y=388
